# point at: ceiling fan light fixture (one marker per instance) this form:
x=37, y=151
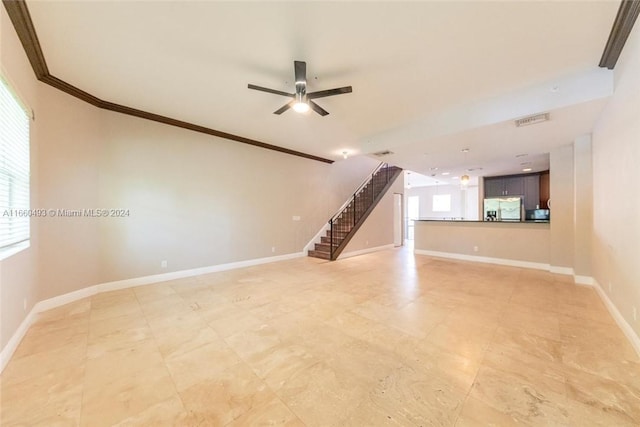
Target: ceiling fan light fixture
x=300, y=107
x=464, y=179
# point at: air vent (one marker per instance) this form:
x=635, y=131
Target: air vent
x=532, y=120
x=383, y=153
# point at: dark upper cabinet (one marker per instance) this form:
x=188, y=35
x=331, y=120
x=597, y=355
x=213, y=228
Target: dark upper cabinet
x=493, y=187
x=514, y=186
x=507, y=186
x=526, y=186
x=531, y=191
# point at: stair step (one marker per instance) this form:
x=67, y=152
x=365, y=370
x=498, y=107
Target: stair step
x=337, y=234
x=327, y=240
x=319, y=254
x=325, y=247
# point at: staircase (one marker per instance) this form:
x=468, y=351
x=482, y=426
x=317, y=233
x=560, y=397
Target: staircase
x=344, y=224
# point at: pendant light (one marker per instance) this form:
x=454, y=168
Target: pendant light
x=464, y=179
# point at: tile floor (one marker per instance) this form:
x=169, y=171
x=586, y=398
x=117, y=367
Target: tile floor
x=382, y=339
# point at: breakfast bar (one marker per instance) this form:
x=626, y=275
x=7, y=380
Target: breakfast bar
x=524, y=244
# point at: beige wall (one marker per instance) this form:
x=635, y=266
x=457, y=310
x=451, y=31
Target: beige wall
x=561, y=171
x=616, y=195
x=68, y=180
x=18, y=274
x=583, y=210
x=197, y=201
x=528, y=242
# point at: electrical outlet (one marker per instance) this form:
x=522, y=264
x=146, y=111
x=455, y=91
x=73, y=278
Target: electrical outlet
x=635, y=314
x=475, y=249
x=273, y=249
x=296, y=218
x=163, y=264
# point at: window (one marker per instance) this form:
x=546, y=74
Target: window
x=442, y=202
x=14, y=170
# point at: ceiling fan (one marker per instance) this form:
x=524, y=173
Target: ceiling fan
x=303, y=101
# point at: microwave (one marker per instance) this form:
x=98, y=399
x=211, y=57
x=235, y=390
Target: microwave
x=537, y=215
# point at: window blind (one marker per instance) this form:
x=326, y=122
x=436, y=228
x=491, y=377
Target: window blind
x=14, y=169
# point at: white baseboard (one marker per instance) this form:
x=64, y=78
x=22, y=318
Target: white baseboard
x=12, y=345
x=311, y=245
x=156, y=278
x=365, y=251
x=483, y=259
x=561, y=270
x=628, y=331
x=60, y=300
x=583, y=280
x=67, y=298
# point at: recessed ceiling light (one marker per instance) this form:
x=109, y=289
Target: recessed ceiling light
x=555, y=88
x=526, y=170
x=525, y=163
x=474, y=169
x=433, y=169
x=465, y=150
x=455, y=177
x=521, y=155
x=445, y=173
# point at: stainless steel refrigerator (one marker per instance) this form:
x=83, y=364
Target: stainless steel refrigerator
x=503, y=209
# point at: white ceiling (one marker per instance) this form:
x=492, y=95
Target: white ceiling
x=411, y=64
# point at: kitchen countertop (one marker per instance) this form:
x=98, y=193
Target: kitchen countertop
x=488, y=222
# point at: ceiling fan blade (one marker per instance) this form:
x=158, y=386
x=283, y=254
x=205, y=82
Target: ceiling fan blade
x=265, y=89
x=329, y=92
x=318, y=109
x=300, y=69
x=284, y=108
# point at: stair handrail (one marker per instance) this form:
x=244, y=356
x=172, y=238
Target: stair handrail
x=353, y=199
x=355, y=193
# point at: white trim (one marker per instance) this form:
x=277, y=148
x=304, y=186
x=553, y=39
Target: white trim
x=67, y=298
x=561, y=270
x=12, y=345
x=311, y=245
x=11, y=250
x=487, y=260
x=48, y=304
x=365, y=251
x=583, y=280
x=628, y=331
x=156, y=278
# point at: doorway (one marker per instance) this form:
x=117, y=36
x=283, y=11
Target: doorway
x=413, y=213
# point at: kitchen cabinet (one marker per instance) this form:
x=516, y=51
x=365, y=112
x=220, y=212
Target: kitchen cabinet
x=493, y=187
x=514, y=186
x=544, y=190
x=531, y=191
x=525, y=186
x=504, y=186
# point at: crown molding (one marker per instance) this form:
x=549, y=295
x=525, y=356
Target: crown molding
x=622, y=26
x=21, y=19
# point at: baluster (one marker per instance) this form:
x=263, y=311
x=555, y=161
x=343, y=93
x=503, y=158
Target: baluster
x=331, y=239
x=354, y=210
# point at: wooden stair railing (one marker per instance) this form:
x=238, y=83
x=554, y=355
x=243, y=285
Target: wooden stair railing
x=344, y=224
